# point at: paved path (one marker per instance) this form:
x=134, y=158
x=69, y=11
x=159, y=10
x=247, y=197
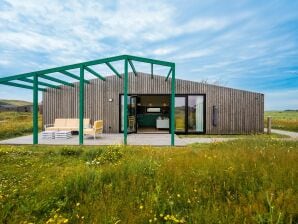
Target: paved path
x=282, y=132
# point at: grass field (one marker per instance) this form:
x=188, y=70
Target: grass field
x=14, y=124
x=284, y=120
x=14, y=102
x=250, y=180
x=244, y=181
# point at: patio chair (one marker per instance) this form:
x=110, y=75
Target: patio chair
x=97, y=129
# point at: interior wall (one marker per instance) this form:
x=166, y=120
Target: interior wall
x=154, y=101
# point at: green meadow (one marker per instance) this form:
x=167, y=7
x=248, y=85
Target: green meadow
x=251, y=179
x=15, y=124
x=243, y=181
x=284, y=120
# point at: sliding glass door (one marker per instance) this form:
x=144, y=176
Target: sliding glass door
x=189, y=114
x=180, y=113
x=195, y=113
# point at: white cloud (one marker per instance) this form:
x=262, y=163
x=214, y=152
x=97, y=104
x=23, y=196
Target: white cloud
x=195, y=54
x=164, y=50
x=4, y=62
x=281, y=99
x=205, y=41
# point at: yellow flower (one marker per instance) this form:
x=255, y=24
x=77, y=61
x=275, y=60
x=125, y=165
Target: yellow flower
x=178, y=195
x=78, y=204
x=141, y=207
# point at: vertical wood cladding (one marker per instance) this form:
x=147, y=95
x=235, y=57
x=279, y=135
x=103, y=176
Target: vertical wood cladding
x=239, y=111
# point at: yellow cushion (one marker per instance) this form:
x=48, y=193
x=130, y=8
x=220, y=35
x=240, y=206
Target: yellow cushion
x=60, y=122
x=72, y=122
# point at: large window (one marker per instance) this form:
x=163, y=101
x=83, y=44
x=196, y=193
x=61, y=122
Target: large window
x=180, y=103
x=195, y=113
x=189, y=113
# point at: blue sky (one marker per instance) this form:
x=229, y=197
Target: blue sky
x=251, y=45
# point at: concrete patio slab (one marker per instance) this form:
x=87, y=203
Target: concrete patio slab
x=104, y=139
x=115, y=139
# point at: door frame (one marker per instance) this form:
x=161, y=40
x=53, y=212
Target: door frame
x=186, y=111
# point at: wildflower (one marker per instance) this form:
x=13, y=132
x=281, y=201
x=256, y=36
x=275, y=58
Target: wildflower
x=161, y=215
x=178, y=195
x=150, y=220
x=141, y=207
x=78, y=204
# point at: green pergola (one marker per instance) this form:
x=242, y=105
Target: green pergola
x=31, y=81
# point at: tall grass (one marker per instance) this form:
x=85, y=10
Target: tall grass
x=14, y=124
x=244, y=181
x=284, y=120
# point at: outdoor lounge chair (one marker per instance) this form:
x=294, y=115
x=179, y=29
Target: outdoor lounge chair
x=66, y=124
x=97, y=129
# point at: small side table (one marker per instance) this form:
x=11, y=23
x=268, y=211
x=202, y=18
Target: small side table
x=48, y=134
x=63, y=134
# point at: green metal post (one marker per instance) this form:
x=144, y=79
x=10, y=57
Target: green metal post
x=81, y=104
x=173, y=107
x=35, y=109
x=151, y=71
x=125, y=99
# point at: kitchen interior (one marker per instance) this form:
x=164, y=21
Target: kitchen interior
x=153, y=113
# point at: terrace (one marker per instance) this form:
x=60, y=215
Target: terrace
x=39, y=81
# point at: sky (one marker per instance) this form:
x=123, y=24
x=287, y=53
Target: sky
x=250, y=45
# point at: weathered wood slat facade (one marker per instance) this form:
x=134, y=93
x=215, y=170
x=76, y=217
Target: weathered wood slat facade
x=239, y=111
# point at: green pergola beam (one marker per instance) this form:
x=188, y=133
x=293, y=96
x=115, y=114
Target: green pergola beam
x=95, y=73
x=56, y=80
x=133, y=67
x=40, y=83
x=22, y=86
x=148, y=60
x=82, y=66
x=113, y=69
x=151, y=71
x=170, y=71
x=73, y=76
x=88, y=63
x=63, y=68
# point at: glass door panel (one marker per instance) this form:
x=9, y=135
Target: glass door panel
x=195, y=113
x=180, y=108
x=131, y=114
